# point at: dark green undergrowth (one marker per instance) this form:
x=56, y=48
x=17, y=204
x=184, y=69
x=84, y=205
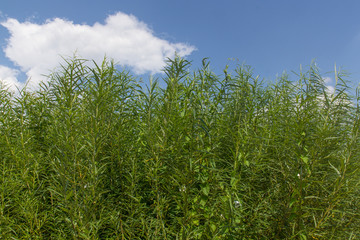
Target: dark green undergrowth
x=93, y=154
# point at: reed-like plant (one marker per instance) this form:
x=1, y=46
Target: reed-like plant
x=95, y=154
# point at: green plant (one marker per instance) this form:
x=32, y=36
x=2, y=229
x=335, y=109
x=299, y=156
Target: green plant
x=95, y=154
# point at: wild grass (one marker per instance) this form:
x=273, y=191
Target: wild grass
x=93, y=154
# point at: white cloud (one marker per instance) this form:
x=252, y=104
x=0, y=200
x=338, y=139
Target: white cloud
x=8, y=78
x=327, y=80
x=329, y=88
x=37, y=48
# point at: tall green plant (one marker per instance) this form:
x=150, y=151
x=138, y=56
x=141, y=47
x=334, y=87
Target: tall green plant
x=94, y=154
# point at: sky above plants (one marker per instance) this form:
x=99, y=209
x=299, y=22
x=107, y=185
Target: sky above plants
x=271, y=36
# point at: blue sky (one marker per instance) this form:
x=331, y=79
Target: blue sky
x=271, y=36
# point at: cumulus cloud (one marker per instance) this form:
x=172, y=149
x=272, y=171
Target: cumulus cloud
x=39, y=48
x=8, y=78
x=327, y=80
x=329, y=88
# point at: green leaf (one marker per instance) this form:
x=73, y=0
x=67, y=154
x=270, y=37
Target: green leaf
x=206, y=189
x=305, y=159
x=196, y=222
x=203, y=201
x=336, y=170
x=303, y=236
x=213, y=227
x=182, y=113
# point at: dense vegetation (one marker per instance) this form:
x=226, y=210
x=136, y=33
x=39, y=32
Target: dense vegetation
x=94, y=155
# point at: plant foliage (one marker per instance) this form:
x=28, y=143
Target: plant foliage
x=93, y=154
